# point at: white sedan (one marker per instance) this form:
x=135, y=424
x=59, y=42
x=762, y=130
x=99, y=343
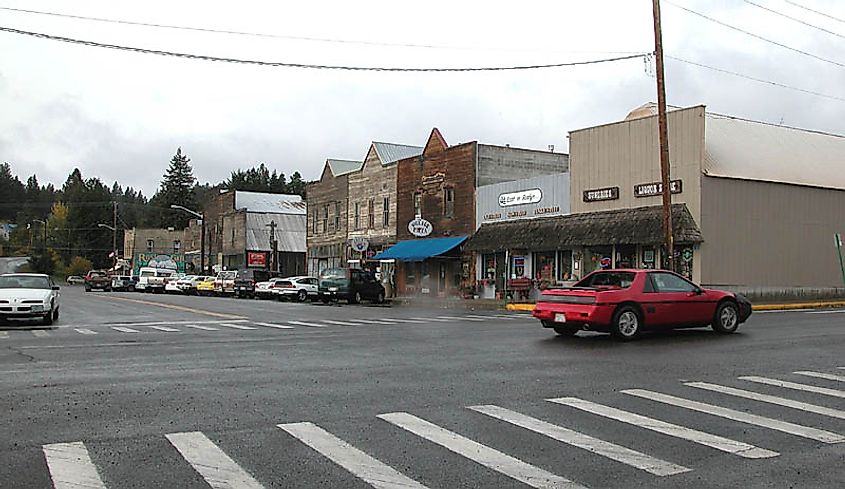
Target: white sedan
x=300, y=288
x=28, y=296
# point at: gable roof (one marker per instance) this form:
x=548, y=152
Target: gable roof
x=269, y=203
x=342, y=167
x=750, y=150
x=390, y=152
x=436, y=143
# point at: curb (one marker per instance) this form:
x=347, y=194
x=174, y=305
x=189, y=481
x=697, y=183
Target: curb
x=755, y=307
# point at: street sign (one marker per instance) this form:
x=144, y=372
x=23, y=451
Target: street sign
x=419, y=227
x=359, y=243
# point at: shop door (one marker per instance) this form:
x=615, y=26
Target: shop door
x=443, y=271
x=626, y=256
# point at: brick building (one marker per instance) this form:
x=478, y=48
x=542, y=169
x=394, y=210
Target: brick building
x=168, y=248
x=436, y=208
x=327, y=204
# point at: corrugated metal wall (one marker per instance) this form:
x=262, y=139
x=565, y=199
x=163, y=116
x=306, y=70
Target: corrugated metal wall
x=761, y=234
x=498, y=164
x=555, y=195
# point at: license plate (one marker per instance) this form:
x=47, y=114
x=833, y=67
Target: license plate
x=332, y=289
x=560, y=317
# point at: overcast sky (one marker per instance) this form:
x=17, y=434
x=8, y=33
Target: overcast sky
x=121, y=115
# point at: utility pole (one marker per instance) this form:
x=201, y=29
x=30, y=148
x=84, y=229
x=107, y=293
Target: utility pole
x=663, y=133
x=273, y=265
x=114, y=235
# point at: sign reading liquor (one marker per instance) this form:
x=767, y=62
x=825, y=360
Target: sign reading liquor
x=359, y=243
x=656, y=188
x=256, y=259
x=419, y=227
x=523, y=197
x=595, y=195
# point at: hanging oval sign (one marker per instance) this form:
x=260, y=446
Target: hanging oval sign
x=419, y=227
x=359, y=243
x=523, y=197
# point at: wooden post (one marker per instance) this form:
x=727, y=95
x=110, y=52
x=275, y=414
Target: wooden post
x=664, y=140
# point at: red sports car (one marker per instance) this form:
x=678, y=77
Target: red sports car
x=626, y=302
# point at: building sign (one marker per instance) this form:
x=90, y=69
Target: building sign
x=175, y=261
x=546, y=210
x=595, y=195
x=492, y=216
x=256, y=259
x=359, y=243
x=521, y=213
x=419, y=227
x=532, y=196
x=656, y=188
x=433, y=179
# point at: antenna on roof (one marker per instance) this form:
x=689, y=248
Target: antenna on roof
x=551, y=148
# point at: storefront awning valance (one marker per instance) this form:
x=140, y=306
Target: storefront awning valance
x=640, y=225
x=420, y=249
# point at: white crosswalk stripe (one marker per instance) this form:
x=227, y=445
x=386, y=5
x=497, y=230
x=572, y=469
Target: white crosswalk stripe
x=85, y=331
x=456, y=318
x=821, y=375
x=403, y=320
x=436, y=320
x=71, y=467
x=610, y=450
x=310, y=325
x=742, y=417
x=474, y=316
x=124, y=329
x=217, y=468
x=361, y=465
x=478, y=453
x=780, y=401
x=370, y=322
x=795, y=386
x=200, y=326
x=707, y=439
x=40, y=333
x=236, y=326
x=165, y=329
x=339, y=323
x=4, y=335
x=274, y=325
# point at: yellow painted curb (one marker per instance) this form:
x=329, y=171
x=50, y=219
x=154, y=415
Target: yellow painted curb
x=520, y=307
x=171, y=306
x=797, y=305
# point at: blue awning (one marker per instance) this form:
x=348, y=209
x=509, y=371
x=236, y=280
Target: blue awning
x=420, y=249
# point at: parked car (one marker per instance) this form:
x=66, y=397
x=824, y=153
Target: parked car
x=351, y=284
x=299, y=288
x=97, y=279
x=153, y=279
x=205, y=286
x=627, y=302
x=266, y=290
x=28, y=296
x=246, y=280
x=188, y=284
x=171, y=285
x=224, y=283
x=75, y=280
x=123, y=283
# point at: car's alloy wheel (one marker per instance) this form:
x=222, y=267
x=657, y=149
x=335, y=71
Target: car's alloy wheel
x=626, y=323
x=302, y=296
x=380, y=298
x=726, y=319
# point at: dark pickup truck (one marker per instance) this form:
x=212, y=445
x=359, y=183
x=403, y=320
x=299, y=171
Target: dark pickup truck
x=97, y=279
x=246, y=280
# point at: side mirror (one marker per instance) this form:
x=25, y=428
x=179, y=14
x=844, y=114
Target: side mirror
x=699, y=291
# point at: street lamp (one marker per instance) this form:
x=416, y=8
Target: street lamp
x=202, y=232
x=113, y=240
x=44, y=223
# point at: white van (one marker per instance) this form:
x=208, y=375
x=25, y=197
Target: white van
x=153, y=279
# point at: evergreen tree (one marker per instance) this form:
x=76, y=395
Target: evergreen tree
x=177, y=188
x=296, y=185
x=11, y=193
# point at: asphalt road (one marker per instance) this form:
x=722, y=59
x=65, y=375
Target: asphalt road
x=150, y=391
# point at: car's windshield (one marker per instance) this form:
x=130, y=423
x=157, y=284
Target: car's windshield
x=607, y=279
x=147, y=273
x=334, y=273
x=24, y=282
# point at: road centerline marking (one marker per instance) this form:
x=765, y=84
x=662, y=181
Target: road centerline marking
x=727, y=445
x=71, y=467
x=480, y=454
x=606, y=449
x=780, y=401
x=821, y=375
x=359, y=463
x=795, y=386
x=740, y=416
x=212, y=463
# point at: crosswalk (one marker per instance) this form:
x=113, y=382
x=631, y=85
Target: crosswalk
x=222, y=326
x=70, y=464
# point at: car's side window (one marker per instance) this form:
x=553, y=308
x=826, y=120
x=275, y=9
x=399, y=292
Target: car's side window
x=649, y=288
x=667, y=282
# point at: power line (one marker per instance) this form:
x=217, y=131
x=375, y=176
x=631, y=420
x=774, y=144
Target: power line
x=309, y=65
x=759, y=80
x=757, y=36
x=815, y=11
x=295, y=38
x=793, y=18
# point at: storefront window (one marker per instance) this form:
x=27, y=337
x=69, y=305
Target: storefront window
x=598, y=257
x=545, y=272
x=626, y=256
x=649, y=257
x=564, y=265
x=683, y=260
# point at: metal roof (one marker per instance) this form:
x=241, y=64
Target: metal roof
x=342, y=167
x=290, y=232
x=750, y=150
x=273, y=203
x=390, y=152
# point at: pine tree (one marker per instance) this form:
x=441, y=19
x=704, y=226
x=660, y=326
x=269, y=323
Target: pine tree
x=177, y=188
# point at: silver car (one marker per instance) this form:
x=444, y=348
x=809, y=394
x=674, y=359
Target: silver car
x=28, y=296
